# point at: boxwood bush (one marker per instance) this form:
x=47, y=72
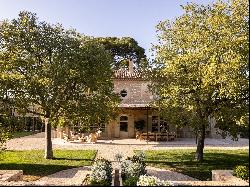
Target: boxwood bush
x=132, y=168
x=241, y=172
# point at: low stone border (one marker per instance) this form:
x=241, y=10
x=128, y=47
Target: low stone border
x=219, y=178
x=206, y=183
x=227, y=175
x=11, y=175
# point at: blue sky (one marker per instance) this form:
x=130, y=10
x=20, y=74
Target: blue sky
x=132, y=18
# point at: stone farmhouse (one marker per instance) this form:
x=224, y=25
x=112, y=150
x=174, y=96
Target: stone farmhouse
x=135, y=106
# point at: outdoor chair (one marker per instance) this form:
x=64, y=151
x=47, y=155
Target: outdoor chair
x=151, y=136
x=74, y=136
x=65, y=136
x=82, y=138
x=92, y=138
x=138, y=135
x=172, y=136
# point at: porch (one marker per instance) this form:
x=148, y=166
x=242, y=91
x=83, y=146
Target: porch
x=144, y=123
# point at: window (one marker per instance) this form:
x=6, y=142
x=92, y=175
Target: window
x=124, y=93
x=154, y=123
x=124, y=123
x=163, y=124
x=124, y=126
x=164, y=127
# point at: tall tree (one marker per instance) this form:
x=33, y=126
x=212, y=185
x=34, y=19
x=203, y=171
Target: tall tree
x=55, y=70
x=201, y=69
x=123, y=49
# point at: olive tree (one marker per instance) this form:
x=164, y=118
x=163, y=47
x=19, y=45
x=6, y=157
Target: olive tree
x=201, y=68
x=59, y=71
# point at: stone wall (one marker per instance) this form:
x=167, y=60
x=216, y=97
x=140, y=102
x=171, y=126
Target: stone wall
x=137, y=91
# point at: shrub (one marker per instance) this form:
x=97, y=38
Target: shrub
x=101, y=173
x=131, y=181
x=139, y=157
x=241, y=172
x=132, y=168
x=5, y=135
x=145, y=180
x=136, y=169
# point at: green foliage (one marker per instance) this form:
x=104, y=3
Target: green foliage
x=65, y=75
x=134, y=166
x=241, y=172
x=8, y=125
x=101, y=173
x=131, y=181
x=202, y=66
x=122, y=49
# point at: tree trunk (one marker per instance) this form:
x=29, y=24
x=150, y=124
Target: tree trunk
x=48, y=141
x=200, y=145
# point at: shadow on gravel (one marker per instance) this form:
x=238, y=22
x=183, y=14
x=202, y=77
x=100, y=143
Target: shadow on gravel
x=34, y=169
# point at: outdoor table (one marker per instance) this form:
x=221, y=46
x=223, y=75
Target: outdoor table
x=151, y=136
x=168, y=136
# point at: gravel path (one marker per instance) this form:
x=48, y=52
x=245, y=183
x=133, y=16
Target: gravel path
x=108, y=148
x=67, y=177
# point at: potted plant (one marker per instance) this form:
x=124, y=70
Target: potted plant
x=139, y=125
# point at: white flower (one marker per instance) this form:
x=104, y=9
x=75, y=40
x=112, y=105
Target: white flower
x=145, y=180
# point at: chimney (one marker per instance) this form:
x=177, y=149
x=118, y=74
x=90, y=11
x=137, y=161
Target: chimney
x=130, y=66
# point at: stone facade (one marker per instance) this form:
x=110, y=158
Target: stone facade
x=136, y=97
x=134, y=105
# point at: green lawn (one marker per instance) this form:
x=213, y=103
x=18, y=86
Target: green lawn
x=182, y=160
x=22, y=134
x=35, y=166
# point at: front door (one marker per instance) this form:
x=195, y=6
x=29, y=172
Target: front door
x=124, y=126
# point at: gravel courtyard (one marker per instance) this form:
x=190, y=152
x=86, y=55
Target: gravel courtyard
x=108, y=148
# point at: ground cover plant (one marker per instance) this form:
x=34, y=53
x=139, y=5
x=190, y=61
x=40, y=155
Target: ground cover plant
x=35, y=166
x=183, y=161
